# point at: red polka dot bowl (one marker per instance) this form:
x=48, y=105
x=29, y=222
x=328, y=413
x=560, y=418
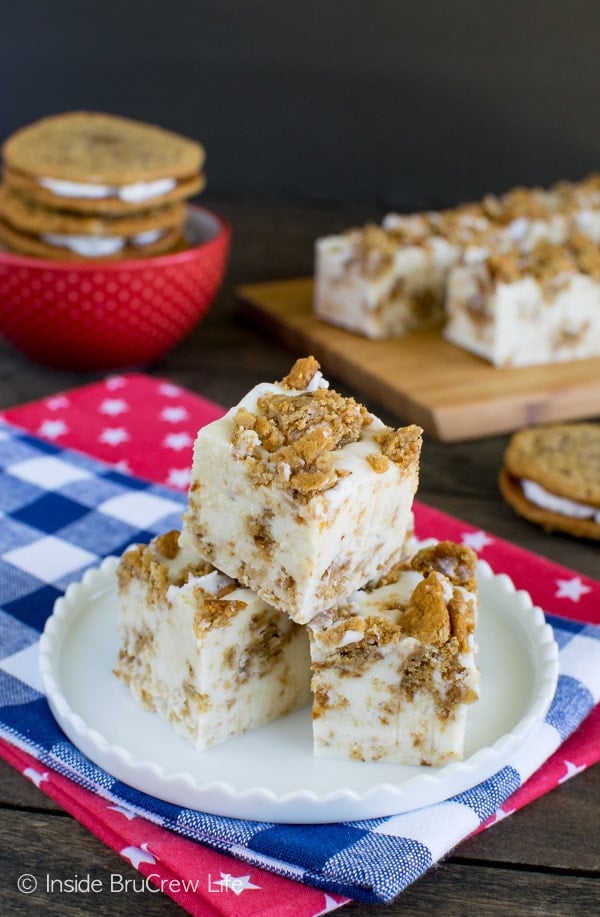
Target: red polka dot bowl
x=100, y=315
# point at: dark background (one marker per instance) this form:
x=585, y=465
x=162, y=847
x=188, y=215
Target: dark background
x=387, y=103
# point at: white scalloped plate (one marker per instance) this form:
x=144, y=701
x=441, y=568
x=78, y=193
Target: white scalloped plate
x=270, y=774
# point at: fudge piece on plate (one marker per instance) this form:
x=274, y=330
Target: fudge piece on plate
x=207, y=655
x=301, y=494
x=394, y=666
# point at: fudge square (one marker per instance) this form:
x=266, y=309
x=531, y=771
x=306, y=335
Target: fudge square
x=522, y=309
x=301, y=494
x=383, y=281
x=208, y=656
x=394, y=666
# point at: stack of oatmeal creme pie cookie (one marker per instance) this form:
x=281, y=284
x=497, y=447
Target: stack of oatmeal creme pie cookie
x=85, y=185
x=295, y=573
x=551, y=476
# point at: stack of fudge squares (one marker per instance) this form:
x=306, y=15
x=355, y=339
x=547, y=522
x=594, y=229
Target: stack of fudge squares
x=296, y=576
x=515, y=279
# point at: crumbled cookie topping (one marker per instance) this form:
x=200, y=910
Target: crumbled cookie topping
x=435, y=620
x=335, y=418
x=403, y=446
x=464, y=224
x=588, y=255
x=139, y=563
x=467, y=224
x=426, y=618
x=439, y=612
x=168, y=544
x=301, y=374
x=214, y=611
x=547, y=262
x=494, y=223
x=301, y=434
x=146, y=563
x=531, y=203
x=456, y=562
x=379, y=463
x=291, y=440
x=412, y=228
x=352, y=658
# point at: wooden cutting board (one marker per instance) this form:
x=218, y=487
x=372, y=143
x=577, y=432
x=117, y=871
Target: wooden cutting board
x=423, y=379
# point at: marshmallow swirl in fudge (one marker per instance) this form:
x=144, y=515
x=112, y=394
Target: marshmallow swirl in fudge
x=301, y=494
x=210, y=657
x=394, y=665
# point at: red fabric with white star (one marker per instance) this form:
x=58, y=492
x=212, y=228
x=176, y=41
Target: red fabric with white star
x=147, y=427
x=139, y=424
x=201, y=880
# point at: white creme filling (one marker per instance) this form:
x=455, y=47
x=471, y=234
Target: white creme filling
x=565, y=507
x=97, y=246
x=132, y=194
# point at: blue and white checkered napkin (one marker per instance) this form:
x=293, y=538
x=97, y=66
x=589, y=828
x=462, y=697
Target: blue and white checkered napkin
x=61, y=513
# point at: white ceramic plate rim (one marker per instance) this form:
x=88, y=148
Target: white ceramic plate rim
x=302, y=804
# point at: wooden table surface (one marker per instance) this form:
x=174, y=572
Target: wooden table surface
x=544, y=859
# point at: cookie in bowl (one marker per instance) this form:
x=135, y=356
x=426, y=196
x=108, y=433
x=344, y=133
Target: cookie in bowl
x=104, y=262
x=34, y=229
x=551, y=476
x=85, y=185
x=115, y=313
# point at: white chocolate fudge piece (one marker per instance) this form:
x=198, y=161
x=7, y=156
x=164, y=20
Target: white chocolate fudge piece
x=522, y=310
x=301, y=494
x=385, y=281
x=382, y=281
x=394, y=667
x=207, y=655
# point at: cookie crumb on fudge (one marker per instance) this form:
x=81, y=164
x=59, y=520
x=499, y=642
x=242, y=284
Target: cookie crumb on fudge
x=394, y=666
x=302, y=494
x=207, y=655
x=485, y=272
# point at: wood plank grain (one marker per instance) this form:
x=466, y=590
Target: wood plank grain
x=17, y=791
x=454, y=890
x=59, y=848
x=48, y=847
x=536, y=837
x=451, y=393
